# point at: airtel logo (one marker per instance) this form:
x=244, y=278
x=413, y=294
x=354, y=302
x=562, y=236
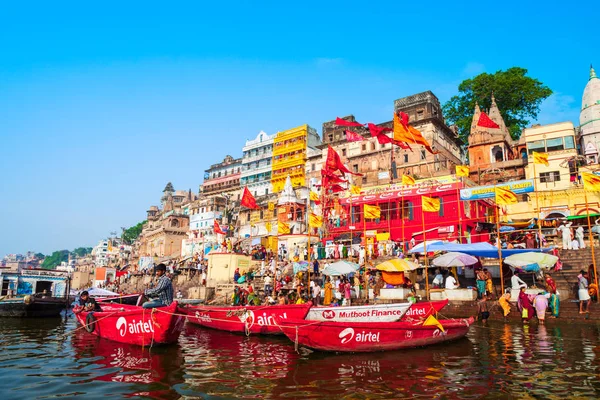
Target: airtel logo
x=122, y=326
x=329, y=314
x=346, y=335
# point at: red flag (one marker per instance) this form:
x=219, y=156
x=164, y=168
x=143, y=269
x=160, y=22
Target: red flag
x=406, y=133
x=353, y=136
x=248, y=200
x=336, y=189
x=218, y=228
x=343, y=122
x=331, y=177
x=382, y=138
x=334, y=163
x=487, y=122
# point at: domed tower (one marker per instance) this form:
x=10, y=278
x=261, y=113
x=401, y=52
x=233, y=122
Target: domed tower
x=589, y=118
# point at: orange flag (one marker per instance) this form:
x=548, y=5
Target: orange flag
x=591, y=182
x=406, y=133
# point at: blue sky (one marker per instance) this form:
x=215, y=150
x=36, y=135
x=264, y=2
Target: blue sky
x=101, y=104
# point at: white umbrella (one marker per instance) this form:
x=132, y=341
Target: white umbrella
x=454, y=259
x=522, y=260
x=340, y=268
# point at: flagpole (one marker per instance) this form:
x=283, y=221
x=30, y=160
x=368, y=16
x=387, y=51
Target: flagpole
x=308, y=249
x=499, y=246
x=587, y=210
x=366, y=252
x=458, y=207
x=537, y=205
x=425, y=251
x=402, y=219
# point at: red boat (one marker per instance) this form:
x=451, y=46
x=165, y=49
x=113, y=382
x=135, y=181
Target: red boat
x=371, y=336
x=134, y=325
x=424, y=309
x=249, y=319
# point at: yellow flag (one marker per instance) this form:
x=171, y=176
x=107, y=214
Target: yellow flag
x=372, y=212
x=314, y=196
x=591, y=181
x=505, y=196
x=110, y=245
x=540, y=158
x=268, y=227
x=432, y=321
x=430, y=204
x=271, y=206
x=314, y=220
x=355, y=189
x=462, y=170
x=283, y=228
x=408, y=180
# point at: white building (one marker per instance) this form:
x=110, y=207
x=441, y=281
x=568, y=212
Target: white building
x=256, y=165
x=589, y=119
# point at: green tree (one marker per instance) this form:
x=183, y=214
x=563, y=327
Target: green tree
x=39, y=256
x=132, y=233
x=169, y=188
x=81, y=251
x=518, y=97
x=53, y=260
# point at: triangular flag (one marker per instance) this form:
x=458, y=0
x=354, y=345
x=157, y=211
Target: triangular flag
x=334, y=163
x=353, y=136
x=314, y=197
x=403, y=132
x=505, y=196
x=372, y=212
x=486, y=122
x=342, y=122
x=354, y=189
x=433, y=321
x=430, y=204
x=283, y=228
x=218, y=229
x=462, y=170
x=540, y=158
x=248, y=200
x=408, y=180
x=315, y=221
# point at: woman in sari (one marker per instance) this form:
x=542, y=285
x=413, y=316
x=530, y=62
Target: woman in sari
x=504, y=303
x=554, y=305
x=541, y=304
x=328, y=292
x=525, y=306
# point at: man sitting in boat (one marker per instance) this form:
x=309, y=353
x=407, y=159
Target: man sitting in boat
x=87, y=303
x=163, y=289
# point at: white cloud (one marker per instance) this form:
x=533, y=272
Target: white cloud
x=559, y=108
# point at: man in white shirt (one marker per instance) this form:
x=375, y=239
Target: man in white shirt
x=516, y=283
x=316, y=293
x=451, y=283
x=267, y=281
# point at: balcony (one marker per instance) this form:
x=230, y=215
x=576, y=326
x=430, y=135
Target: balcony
x=289, y=148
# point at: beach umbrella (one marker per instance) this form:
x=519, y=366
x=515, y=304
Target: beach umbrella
x=300, y=266
x=397, y=265
x=454, y=259
x=340, y=268
x=421, y=246
x=522, y=260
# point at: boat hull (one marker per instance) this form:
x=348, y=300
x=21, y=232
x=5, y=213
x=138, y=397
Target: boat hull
x=424, y=309
x=129, y=299
x=36, y=308
x=371, y=336
x=134, y=325
x=249, y=320
x=377, y=312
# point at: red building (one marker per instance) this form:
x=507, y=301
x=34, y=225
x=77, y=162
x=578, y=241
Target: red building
x=402, y=217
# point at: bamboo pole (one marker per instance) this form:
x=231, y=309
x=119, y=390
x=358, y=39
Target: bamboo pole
x=425, y=251
x=499, y=247
x=587, y=210
x=458, y=208
x=537, y=205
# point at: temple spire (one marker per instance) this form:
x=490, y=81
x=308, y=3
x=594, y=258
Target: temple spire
x=592, y=72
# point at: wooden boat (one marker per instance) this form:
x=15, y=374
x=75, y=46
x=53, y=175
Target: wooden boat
x=129, y=299
x=32, y=307
x=424, y=309
x=134, y=325
x=371, y=336
x=249, y=319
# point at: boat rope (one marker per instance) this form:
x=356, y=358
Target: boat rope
x=296, y=340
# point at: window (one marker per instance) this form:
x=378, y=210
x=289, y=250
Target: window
x=423, y=155
x=569, y=142
x=313, y=167
x=554, y=144
x=537, y=145
x=420, y=114
x=364, y=147
x=552, y=176
x=330, y=137
x=355, y=168
x=406, y=158
x=373, y=146
x=266, y=192
x=344, y=152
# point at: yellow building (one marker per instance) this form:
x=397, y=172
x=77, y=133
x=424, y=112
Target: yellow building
x=290, y=154
x=559, y=192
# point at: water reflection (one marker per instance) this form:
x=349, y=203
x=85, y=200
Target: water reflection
x=47, y=358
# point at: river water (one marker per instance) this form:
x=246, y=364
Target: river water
x=48, y=358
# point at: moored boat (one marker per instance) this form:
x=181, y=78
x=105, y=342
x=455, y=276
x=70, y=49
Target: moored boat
x=134, y=325
x=129, y=299
x=249, y=319
x=424, y=309
x=371, y=336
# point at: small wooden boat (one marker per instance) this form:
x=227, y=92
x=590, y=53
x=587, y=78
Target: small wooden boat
x=249, y=319
x=376, y=312
x=134, y=325
x=129, y=299
x=371, y=336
